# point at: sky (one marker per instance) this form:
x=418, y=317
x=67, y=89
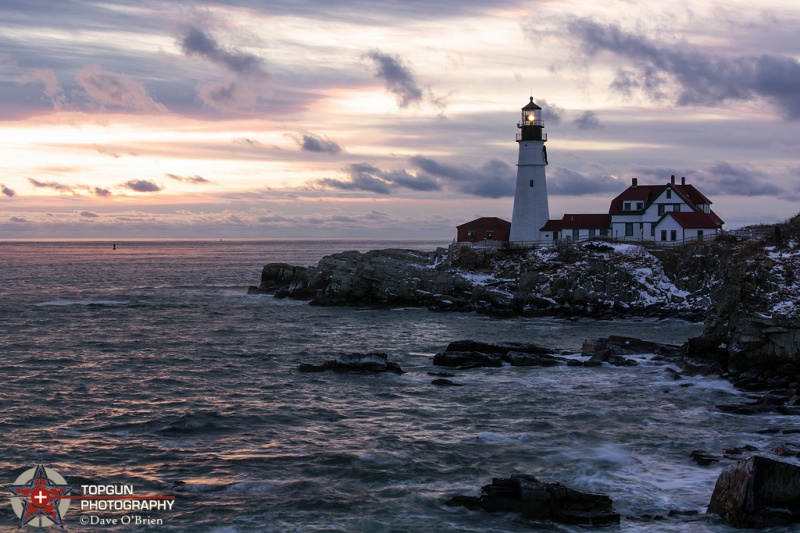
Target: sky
x=395, y=119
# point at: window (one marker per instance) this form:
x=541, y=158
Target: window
x=663, y=235
x=676, y=207
x=669, y=194
x=470, y=234
x=699, y=234
x=653, y=231
x=576, y=234
x=629, y=229
x=626, y=206
x=639, y=205
x=673, y=235
x=604, y=232
x=531, y=183
x=592, y=232
x=661, y=209
x=490, y=235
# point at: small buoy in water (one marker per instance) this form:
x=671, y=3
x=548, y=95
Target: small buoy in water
x=114, y=246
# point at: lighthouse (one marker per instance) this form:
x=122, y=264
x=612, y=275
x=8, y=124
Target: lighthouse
x=531, y=210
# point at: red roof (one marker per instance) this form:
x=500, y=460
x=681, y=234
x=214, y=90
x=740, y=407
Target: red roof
x=641, y=193
x=648, y=194
x=694, y=196
x=695, y=220
x=485, y=223
x=598, y=221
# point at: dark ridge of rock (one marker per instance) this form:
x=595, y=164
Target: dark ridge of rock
x=441, y=374
x=464, y=360
x=464, y=354
x=537, y=500
x=446, y=383
x=355, y=362
x=757, y=492
x=703, y=458
x=500, y=348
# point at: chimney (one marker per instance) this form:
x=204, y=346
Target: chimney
x=683, y=180
x=634, y=182
x=672, y=179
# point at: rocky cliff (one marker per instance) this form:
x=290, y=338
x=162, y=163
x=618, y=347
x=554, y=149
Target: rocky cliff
x=587, y=279
x=753, y=323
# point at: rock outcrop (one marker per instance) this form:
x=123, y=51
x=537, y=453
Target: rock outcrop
x=757, y=492
x=754, y=317
x=537, y=500
x=355, y=362
x=586, y=279
x=466, y=354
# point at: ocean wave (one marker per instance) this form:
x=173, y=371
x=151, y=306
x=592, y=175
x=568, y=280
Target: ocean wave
x=98, y=303
x=488, y=438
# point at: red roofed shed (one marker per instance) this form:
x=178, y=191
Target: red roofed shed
x=484, y=228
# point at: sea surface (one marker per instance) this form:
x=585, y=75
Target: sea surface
x=150, y=366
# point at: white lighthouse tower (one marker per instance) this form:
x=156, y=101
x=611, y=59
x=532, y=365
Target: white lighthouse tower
x=531, y=210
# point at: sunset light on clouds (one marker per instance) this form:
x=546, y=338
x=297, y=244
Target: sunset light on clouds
x=308, y=119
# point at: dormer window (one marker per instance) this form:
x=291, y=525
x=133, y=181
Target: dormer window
x=669, y=194
x=626, y=206
x=639, y=205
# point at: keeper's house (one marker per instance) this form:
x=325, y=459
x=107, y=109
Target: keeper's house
x=663, y=213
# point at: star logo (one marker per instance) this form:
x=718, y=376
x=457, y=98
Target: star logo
x=38, y=497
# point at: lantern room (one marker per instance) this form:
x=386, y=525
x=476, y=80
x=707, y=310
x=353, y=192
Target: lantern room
x=531, y=123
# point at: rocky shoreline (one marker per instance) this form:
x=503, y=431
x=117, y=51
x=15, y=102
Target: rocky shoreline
x=753, y=490
x=745, y=292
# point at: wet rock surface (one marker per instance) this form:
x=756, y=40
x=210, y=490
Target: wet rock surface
x=757, y=492
x=537, y=500
x=372, y=362
x=465, y=354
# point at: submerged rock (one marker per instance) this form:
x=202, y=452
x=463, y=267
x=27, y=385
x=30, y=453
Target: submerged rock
x=355, y=362
x=757, y=492
x=537, y=500
x=446, y=383
x=465, y=354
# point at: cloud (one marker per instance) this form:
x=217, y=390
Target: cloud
x=188, y=179
x=51, y=86
x=700, y=78
x=366, y=177
x=142, y=186
x=398, y=78
x=197, y=42
x=89, y=214
x=724, y=178
x=56, y=186
x=6, y=191
x=117, y=90
x=588, y=121
x=106, y=152
x=566, y=182
x=553, y=114
x=311, y=142
x=495, y=179
x=17, y=219
x=104, y=193
x=243, y=90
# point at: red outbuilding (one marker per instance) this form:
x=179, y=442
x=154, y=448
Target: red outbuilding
x=484, y=229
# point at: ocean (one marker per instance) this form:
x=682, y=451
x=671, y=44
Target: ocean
x=150, y=366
